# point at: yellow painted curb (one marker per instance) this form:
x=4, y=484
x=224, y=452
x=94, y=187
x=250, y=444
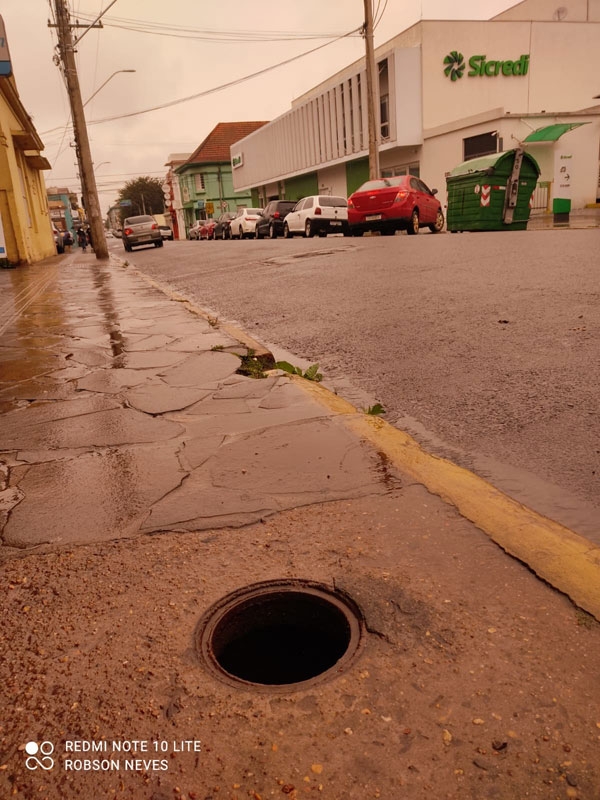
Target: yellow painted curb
x=568, y=561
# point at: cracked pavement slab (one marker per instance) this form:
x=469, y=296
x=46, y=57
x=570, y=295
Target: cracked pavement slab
x=150, y=427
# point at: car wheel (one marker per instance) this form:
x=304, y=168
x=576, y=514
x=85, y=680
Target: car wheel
x=272, y=232
x=240, y=233
x=158, y=244
x=439, y=222
x=257, y=233
x=308, y=229
x=413, y=227
x=287, y=234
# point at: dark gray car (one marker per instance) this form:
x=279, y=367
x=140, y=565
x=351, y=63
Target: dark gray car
x=141, y=230
x=270, y=222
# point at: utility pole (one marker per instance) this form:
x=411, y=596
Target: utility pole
x=82, y=144
x=372, y=92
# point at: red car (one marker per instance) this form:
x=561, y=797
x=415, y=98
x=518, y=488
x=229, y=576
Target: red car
x=207, y=230
x=392, y=204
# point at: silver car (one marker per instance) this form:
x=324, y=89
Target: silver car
x=141, y=230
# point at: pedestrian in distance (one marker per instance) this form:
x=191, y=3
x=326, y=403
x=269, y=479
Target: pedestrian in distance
x=82, y=239
x=89, y=236
x=68, y=241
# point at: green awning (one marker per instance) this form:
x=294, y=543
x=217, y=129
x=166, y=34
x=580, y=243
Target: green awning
x=551, y=133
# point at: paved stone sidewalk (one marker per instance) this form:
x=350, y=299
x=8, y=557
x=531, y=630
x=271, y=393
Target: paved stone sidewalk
x=125, y=413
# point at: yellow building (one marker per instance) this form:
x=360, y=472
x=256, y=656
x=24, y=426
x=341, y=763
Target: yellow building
x=25, y=230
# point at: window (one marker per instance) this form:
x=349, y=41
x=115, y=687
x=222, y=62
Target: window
x=199, y=182
x=482, y=145
x=384, y=112
x=404, y=169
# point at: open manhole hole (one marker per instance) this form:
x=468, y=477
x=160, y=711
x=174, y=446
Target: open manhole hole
x=280, y=634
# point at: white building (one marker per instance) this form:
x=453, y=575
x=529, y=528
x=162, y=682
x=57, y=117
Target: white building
x=448, y=91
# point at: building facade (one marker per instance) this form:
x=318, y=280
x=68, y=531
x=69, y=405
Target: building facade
x=25, y=229
x=448, y=91
x=205, y=179
x=63, y=207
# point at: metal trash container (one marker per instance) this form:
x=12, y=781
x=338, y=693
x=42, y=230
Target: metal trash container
x=492, y=193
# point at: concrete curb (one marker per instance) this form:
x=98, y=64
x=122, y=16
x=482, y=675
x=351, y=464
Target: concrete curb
x=563, y=558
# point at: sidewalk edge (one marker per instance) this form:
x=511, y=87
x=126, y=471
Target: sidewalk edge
x=558, y=555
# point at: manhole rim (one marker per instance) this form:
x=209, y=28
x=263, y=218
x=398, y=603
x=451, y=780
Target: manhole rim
x=338, y=598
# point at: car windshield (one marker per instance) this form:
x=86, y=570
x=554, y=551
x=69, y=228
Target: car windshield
x=252, y=210
x=381, y=183
x=139, y=220
x=333, y=202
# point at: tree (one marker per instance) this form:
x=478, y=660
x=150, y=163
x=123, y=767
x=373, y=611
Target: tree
x=146, y=196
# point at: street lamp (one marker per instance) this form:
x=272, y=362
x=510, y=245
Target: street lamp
x=110, y=77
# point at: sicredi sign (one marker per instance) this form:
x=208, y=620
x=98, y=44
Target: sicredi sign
x=480, y=66
x=237, y=160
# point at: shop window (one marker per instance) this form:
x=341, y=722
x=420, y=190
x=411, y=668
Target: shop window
x=482, y=145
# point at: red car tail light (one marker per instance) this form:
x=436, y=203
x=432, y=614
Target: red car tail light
x=400, y=197
x=154, y=226
x=276, y=215
x=127, y=231
x=350, y=204
x=318, y=210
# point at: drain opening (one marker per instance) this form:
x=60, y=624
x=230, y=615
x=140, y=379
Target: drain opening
x=281, y=635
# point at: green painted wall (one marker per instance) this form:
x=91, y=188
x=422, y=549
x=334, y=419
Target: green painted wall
x=218, y=186
x=357, y=172
x=301, y=186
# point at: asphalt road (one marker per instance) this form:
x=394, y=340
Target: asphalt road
x=485, y=347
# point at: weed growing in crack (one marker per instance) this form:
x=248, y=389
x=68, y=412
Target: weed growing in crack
x=311, y=374
x=375, y=410
x=251, y=366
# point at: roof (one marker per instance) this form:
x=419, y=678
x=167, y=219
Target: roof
x=551, y=133
x=215, y=148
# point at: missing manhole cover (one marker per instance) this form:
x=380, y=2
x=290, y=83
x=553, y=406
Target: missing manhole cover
x=280, y=634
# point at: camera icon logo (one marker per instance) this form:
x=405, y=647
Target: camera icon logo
x=45, y=749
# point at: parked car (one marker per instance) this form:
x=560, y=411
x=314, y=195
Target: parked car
x=243, y=224
x=391, y=204
x=58, y=240
x=166, y=232
x=207, y=230
x=139, y=230
x=222, y=230
x=320, y=214
x=194, y=231
x=270, y=222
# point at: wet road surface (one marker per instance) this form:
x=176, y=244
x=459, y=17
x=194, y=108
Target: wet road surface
x=484, y=347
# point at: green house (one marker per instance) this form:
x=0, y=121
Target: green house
x=205, y=179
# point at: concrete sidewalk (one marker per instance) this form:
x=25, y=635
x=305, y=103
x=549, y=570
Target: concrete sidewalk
x=146, y=479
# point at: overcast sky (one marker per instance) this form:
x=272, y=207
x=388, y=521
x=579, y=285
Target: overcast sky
x=169, y=66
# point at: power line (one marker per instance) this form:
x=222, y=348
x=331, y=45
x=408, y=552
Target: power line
x=228, y=85
x=210, y=34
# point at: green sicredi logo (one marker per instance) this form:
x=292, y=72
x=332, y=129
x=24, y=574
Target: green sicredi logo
x=454, y=66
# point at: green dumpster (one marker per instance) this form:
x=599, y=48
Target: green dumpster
x=492, y=193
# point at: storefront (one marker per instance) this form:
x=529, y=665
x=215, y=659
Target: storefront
x=448, y=91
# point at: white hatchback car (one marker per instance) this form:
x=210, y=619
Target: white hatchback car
x=243, y=224
x=320, y=214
